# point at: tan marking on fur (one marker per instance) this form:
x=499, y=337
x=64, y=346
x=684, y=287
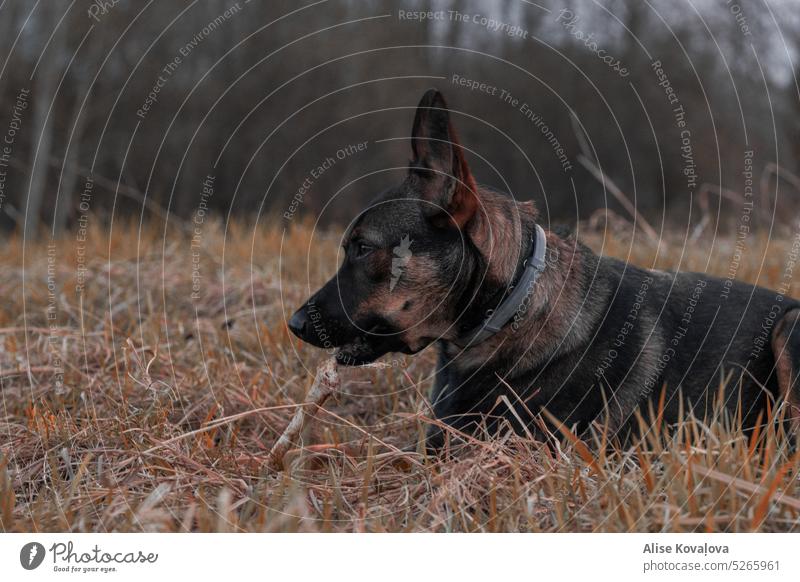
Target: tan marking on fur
x=625, y=402
x=783, y=366
x=498, y=240
x=419, y=283
x=555, y=308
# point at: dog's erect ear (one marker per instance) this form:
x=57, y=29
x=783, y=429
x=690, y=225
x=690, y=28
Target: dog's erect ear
x=438, y=160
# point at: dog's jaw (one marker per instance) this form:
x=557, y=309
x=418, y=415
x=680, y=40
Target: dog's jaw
x=362, y=351
x=356, y=353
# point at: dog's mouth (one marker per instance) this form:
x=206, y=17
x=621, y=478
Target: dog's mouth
x=367, y=348
x=358, y=353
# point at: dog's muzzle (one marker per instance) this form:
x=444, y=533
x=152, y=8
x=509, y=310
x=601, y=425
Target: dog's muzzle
x=300, y=324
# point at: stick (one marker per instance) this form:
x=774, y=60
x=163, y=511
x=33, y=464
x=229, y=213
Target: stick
x=326, y=383
x=589, y=161
x=601, y=177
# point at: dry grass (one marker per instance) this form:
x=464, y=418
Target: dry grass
x=169, y=407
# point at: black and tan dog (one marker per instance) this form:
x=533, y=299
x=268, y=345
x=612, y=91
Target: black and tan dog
x=536, y=316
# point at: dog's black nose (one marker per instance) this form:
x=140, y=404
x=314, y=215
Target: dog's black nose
x=298, y=323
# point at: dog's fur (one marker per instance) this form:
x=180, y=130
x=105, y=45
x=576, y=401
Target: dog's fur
x=596, y=339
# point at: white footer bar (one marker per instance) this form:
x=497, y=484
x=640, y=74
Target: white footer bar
x=401, y=557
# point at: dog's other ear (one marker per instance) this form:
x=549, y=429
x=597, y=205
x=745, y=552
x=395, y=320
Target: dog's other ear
x=439, y=162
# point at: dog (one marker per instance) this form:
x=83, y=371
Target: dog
x=527, y=320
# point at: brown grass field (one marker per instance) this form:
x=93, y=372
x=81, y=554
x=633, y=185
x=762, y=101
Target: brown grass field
x=134, y=407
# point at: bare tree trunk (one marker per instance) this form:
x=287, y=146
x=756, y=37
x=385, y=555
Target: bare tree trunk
x=8, y=31
x=41, y=145
x=69, y=182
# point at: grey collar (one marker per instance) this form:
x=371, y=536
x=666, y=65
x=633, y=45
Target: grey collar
x=514, y=301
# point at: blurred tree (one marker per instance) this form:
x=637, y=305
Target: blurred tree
x=51, y=27
x=259, y=94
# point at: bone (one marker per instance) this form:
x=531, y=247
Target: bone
x=326, y=382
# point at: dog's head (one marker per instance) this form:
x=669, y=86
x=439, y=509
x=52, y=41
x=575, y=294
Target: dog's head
x=409, y=265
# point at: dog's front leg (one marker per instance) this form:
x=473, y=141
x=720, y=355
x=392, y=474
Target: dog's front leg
x=434, y=435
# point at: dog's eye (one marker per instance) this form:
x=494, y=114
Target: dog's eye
x=363, y=249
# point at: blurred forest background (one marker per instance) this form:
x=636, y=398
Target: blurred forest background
x=123, y=108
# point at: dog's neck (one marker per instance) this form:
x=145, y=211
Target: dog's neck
x=501, y=245
x=502, y=231
x=499, y=240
